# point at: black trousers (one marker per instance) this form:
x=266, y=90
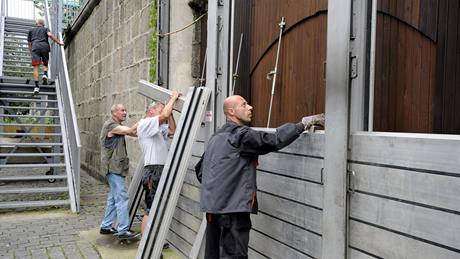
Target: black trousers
x=227, y=235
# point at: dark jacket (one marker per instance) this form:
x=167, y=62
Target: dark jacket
x=228, y=166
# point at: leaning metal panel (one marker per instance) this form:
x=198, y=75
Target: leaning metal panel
x=172, y=178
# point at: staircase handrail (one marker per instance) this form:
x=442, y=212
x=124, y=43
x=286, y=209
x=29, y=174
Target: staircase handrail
x=72, y=144
x=2, y=39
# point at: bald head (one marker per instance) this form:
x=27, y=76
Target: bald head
x=237, y=110
x=40, y=22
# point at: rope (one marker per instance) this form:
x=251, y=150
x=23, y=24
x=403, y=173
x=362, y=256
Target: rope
x=179, y=30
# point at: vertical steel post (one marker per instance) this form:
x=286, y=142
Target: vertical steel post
x=336, y=135
x=163, y=11
x=359, y=65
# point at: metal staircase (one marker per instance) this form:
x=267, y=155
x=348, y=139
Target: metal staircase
x=39, y=141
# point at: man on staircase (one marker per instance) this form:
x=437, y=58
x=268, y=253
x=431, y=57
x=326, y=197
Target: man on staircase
x=40, y=49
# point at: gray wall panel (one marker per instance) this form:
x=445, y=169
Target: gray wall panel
x=292, y=165
x=301, y=191
x=292, y=212
x=272, y=248
x=423, y=151
x=355, y=254
x=386, y=244
x=436, y=226
x=289, y=234
x=429, y=189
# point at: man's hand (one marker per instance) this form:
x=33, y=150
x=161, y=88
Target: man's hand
x=313, y=120
x=175, y=95
x=60, y=43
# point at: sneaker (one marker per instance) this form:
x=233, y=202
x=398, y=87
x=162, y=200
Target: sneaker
x=45, y=79
x=36, y=90
x=108, y=231
x=128, y=235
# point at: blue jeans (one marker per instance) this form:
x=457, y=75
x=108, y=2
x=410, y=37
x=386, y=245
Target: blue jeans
x=117, y=204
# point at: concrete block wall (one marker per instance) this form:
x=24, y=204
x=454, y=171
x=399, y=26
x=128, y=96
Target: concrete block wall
x=106, y=59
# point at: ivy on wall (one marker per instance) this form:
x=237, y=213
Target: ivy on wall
x=153, y=41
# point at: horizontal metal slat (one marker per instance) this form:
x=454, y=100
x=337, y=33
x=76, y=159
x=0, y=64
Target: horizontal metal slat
x=33, y=190
x=14, y=178
x=30, y=154
x=33, y=204
x=32, y=165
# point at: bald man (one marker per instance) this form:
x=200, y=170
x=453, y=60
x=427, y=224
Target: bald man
x=115, y=165
x=39, y=50
x=228, y=170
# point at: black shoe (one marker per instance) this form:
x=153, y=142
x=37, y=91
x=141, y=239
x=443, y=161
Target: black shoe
x=108, y=231
x=165, y=246
x=129, y=235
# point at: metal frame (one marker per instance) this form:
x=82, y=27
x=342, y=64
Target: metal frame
x=70, y=132
x=2, y=38
x=218, y=70
x=173, y=174
x=336, y=135
x=163, y=11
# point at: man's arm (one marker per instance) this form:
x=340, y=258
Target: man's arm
x=51, y=36
x=171, y=125
x=259, y=142
x=123, y=130
x=167, y=110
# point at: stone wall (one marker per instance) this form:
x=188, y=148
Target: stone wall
x=106, y=58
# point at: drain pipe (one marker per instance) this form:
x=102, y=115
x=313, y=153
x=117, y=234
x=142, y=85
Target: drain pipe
x=87, y=10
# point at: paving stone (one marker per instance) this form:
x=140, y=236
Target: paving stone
x=55, y=252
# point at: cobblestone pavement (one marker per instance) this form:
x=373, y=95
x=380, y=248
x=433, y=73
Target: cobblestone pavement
x=54, y=233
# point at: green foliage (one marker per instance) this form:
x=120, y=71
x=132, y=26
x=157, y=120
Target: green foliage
x=153, y=40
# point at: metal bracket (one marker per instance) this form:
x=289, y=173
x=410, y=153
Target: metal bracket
x=351, y=181
x=353, y=67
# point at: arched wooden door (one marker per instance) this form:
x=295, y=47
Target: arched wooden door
x=300, y=85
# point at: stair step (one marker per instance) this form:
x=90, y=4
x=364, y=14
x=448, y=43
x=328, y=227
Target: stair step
x=26, y=100
x=18, y=56
x=30, y=154
x=29, y=125
x=33, y=204
x=31, y=178
x=30, y=83
x=26, y=92
x=16, y=61
x=21, y=81
x=29, y=74
x=32, y=165
x=33, y=190
x=18, y=67
x=28, y=116
x=24, y=144
x=18, y=134
x=27, y=108
x=15, y=48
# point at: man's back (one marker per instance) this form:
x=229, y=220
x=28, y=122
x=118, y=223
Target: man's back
x=39, y=38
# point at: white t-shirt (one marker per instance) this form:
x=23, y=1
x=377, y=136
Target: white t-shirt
x=153, y=140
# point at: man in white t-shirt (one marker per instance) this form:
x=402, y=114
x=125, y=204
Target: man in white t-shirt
x=153, y=131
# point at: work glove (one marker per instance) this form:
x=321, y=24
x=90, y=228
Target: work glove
x=313, y=120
